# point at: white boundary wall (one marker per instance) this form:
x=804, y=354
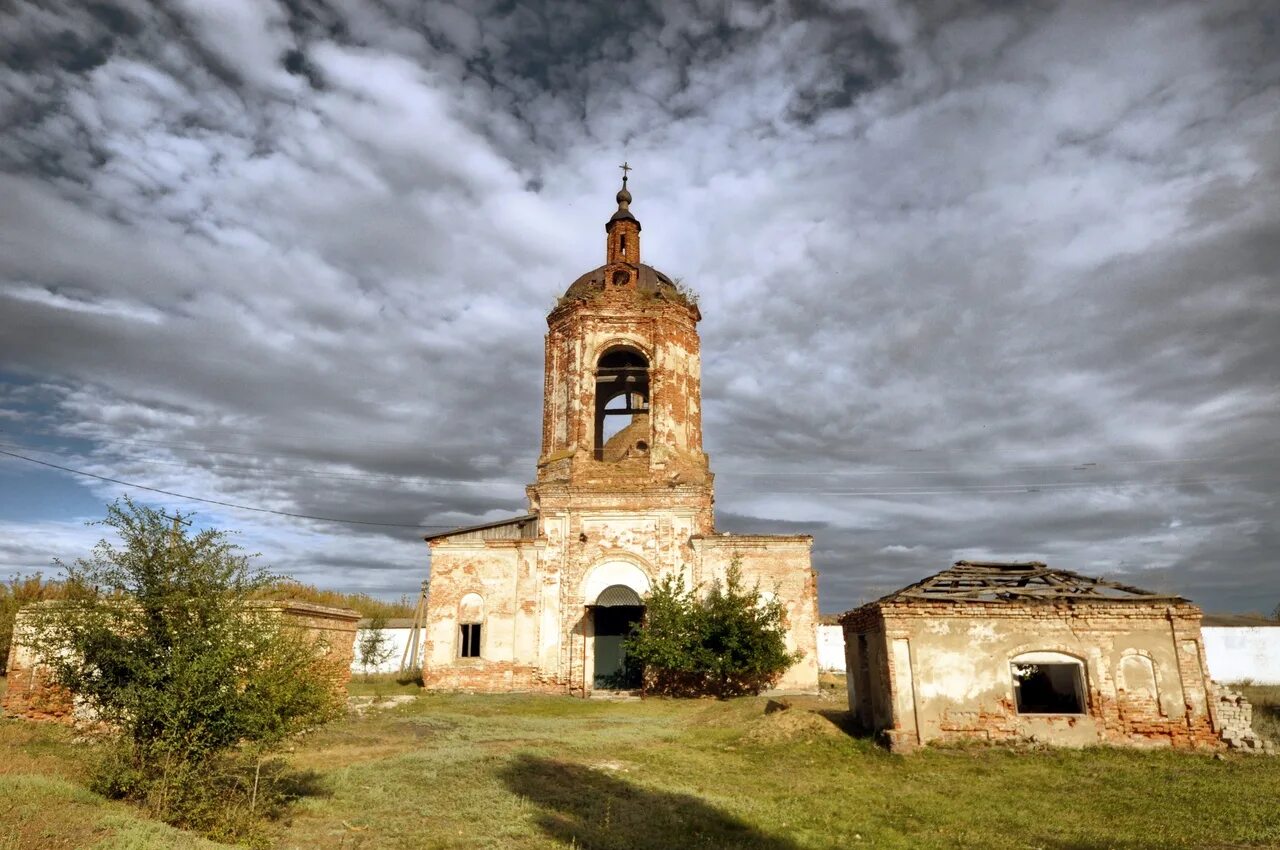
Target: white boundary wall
x=1234, y=653
x=831, y=648
x=397, y=640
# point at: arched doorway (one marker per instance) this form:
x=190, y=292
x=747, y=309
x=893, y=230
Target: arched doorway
x=615, y=613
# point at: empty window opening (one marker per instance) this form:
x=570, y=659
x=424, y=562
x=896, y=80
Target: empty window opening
x=469, y=644
x=622, y=404
x=622, y=245
x=1048, y=688
x=620, y=278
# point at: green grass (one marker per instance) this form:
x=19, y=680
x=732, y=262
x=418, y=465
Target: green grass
x=1266, y=709
x=379, y=685
x=455, y=771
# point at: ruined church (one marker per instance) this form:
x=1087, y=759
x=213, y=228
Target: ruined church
x=623, y=497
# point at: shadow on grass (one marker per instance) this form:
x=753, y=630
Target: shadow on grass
x=599, y=810
x=847, y=722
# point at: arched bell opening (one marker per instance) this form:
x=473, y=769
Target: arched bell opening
x=616, y=613
x=622, y=405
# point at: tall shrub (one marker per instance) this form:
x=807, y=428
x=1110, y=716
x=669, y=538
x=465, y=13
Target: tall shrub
x=729, y=642
x=161, y=640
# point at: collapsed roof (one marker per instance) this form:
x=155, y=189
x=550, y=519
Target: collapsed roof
x=988, y=581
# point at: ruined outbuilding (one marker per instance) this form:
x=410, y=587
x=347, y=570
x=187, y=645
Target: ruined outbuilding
x=623, y=496
x=31, y=696
x=1021, y=651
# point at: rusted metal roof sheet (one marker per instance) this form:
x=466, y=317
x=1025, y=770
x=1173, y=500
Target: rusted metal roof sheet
x=516, y=528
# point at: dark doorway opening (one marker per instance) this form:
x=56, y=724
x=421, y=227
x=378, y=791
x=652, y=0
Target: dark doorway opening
x=612, y=626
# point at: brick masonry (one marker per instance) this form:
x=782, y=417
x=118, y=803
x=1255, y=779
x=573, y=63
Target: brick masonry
x=935, y=671
x=642, y=511
x=30, y=696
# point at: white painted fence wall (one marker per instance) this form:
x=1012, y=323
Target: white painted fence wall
x=1233, y=653
x=831, y=648
x=397, y=640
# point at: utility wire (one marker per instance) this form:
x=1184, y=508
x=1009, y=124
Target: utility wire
x=215, y=501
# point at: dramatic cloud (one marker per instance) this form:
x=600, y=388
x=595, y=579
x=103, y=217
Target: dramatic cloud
x=977, y=281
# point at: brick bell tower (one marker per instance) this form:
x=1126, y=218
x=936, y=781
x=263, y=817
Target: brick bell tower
x=622, y=406
x=623, y=498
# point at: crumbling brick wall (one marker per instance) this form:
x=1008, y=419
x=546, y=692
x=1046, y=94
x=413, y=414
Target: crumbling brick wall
x=31, y=696
x=643, y=499
x=942, y=671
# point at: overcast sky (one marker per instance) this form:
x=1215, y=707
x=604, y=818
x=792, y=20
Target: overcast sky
x=979, y=280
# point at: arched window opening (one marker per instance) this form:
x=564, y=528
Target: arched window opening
x=1048, y=683
x=622, y=405
x=470, y=625
x=622, y=245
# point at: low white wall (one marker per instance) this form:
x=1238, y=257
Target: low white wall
x=397, y=640
x=831, y=648
x=1234, y=653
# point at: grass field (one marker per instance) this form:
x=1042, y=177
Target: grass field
x=540, y=772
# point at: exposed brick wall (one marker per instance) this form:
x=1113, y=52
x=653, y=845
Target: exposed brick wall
x=1144, y=672
x=648, y=506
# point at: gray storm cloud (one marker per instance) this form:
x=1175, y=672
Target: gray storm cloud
x=977, y=281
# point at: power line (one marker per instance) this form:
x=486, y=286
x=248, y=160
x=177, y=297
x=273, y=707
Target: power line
x=294, y=472
x=215, y=501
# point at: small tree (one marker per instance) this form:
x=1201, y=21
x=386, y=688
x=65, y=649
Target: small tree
x=728, y=643
x=160, y=639
x=374, y=646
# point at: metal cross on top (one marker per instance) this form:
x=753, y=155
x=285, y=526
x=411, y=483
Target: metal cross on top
x=625, y=168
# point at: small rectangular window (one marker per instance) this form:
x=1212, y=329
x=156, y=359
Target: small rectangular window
x=469, y=645
x=1048, y=688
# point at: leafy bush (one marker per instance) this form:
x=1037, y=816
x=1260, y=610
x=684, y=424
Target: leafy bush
x=727, y=643
x=374, y=646
x=161, y=639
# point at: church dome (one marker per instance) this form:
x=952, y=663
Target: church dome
x=649, y=281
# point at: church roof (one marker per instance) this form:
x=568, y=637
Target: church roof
x=523, y=527
x=649, y=281
x=1031, y=581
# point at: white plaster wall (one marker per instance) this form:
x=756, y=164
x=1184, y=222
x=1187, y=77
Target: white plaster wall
x=397, y=640
x=831, y=648
x=1234, y=653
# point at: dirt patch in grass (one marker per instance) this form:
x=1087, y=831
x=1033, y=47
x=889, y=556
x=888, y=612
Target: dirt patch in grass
x=38, y=812
x=795, y=724
x=41, y=749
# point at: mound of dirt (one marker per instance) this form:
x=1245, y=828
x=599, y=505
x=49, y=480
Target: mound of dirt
x=792, y=724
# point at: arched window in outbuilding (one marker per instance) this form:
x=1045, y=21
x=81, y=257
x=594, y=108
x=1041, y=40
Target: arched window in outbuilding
x=1048, y=683
x=470, y=625
x=622, y=404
